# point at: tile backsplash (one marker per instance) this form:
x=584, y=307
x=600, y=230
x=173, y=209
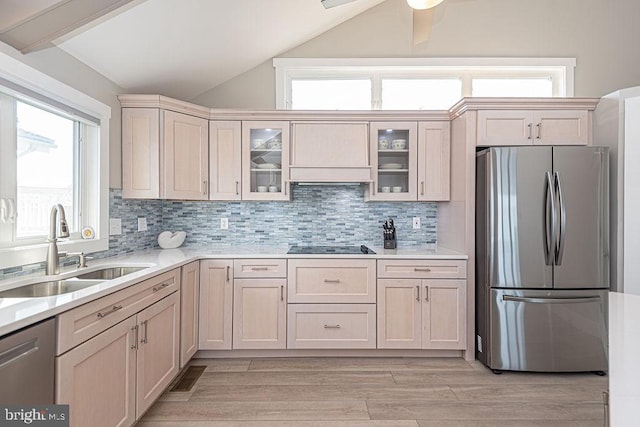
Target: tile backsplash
x=325, y=214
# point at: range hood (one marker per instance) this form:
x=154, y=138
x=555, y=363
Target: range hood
x=330, y=153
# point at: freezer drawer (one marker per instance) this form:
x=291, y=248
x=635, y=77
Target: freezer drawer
x=548, y=331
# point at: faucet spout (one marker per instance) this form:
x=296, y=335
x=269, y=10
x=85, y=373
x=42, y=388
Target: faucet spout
x=56, y=218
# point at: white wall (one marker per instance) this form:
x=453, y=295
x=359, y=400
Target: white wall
x=601, y=34
x=66, y=69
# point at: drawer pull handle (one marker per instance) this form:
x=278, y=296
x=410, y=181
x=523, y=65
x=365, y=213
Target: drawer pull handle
x=332, y=326
x=331, y=280
x=158, y=288
x=115, y=308
x=260, y=268
x=418, y=293
x=422, y=269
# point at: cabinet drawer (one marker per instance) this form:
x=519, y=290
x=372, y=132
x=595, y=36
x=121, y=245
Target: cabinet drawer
x=332, y=281
x=331, y=326
x=426, y=269
x=78, y=325
x=250, y=268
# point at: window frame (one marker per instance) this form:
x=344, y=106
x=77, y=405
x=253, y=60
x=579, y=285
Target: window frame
x=560, y=70
x=64, y=97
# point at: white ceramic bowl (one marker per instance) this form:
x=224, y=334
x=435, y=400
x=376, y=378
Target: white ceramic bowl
x=385, y=189
x=258, y=143
x=396, y=189
x=262, y=188
x=273, y=189
x=383, y=144
x=169, y=240
x=399, y=144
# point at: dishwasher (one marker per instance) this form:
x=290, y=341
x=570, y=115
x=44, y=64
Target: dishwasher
x=27, y=360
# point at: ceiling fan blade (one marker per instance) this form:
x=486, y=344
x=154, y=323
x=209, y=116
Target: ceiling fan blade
x=328, y=4
x=422, y=21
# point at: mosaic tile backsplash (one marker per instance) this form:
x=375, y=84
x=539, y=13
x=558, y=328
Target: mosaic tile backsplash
x=316, y=215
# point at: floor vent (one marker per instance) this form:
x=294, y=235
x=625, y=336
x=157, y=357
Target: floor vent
x=188, y=378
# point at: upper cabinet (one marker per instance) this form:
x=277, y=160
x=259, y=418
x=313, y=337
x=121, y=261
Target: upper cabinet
x=164, y=155
x=411, y=161
x=225, y=160
x=394, y=149
x=533, y=127
x=265, y=160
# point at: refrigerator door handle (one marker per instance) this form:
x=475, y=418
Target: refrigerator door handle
x=578, y=300
x=549, y=219
x=562, y=229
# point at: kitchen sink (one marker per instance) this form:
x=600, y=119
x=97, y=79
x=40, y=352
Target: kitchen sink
x=48, y=288
x=109, y=273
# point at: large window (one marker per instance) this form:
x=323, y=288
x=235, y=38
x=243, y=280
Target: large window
x=415, y=83
x=51, y=152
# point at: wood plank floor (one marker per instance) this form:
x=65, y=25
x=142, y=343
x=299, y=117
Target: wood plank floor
x=377, y=392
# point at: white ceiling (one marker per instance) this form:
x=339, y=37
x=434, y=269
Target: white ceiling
x=184, y=48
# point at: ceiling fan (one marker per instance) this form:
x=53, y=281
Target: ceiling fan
x=422, y=16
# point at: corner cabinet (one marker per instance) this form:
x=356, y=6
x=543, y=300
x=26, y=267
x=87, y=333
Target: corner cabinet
x=533, y=127
x=265, y=160
x=164, y=155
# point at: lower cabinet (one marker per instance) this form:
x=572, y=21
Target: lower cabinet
x=113, y=378
x=216, y=304
x=189, y=311
x=259, y=314
x=323, y=326
x=421, y=314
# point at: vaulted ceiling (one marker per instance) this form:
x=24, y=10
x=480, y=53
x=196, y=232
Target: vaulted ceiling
x=184, y=48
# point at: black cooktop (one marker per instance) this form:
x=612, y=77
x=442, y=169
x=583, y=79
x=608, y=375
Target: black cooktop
x=340, y=250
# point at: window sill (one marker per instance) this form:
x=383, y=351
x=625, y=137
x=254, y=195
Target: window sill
x=25, y=255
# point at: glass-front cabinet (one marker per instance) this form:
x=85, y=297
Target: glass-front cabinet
x=265, y=158
x=393, y=160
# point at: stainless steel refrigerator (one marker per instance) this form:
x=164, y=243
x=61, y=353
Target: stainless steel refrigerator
x=542, y=258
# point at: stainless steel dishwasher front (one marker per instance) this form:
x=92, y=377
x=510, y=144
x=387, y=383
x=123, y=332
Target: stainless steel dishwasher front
x=27, y=360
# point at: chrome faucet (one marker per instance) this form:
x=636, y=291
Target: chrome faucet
x=53, y=256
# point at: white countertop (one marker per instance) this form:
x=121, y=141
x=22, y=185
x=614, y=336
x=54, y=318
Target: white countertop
x=16, y=313
x=624, y=366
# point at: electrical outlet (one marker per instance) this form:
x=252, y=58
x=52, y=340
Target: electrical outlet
x=142, y=224
x=416, y=222
x=224, y=223
x=115, y=226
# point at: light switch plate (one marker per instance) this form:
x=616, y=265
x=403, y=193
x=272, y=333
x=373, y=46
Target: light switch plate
x=142, y=224
x=224, y=223
x=416, y=222
x=115, y=226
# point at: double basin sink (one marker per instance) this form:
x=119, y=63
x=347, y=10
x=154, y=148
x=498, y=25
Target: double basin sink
x=70, y=284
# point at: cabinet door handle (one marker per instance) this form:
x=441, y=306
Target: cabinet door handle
x=539, y=128
x=259, y=268
x=530, y=125
x=134, y=329
x=228, y=269
x=422, y=188
x=422, y=269
x=281, y=292
x=331, y=280
x=418, y=293
x=113, y=309
x=144, y=339
x=237, y=188
x=204, y=187
x=426, y=293
x=158, y=288
x=332, y=326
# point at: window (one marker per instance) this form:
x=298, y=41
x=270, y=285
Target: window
x=51, y=152
x=415, y=83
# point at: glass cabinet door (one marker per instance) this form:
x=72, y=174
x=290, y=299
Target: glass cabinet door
x=265, y=160
x=394, y=161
